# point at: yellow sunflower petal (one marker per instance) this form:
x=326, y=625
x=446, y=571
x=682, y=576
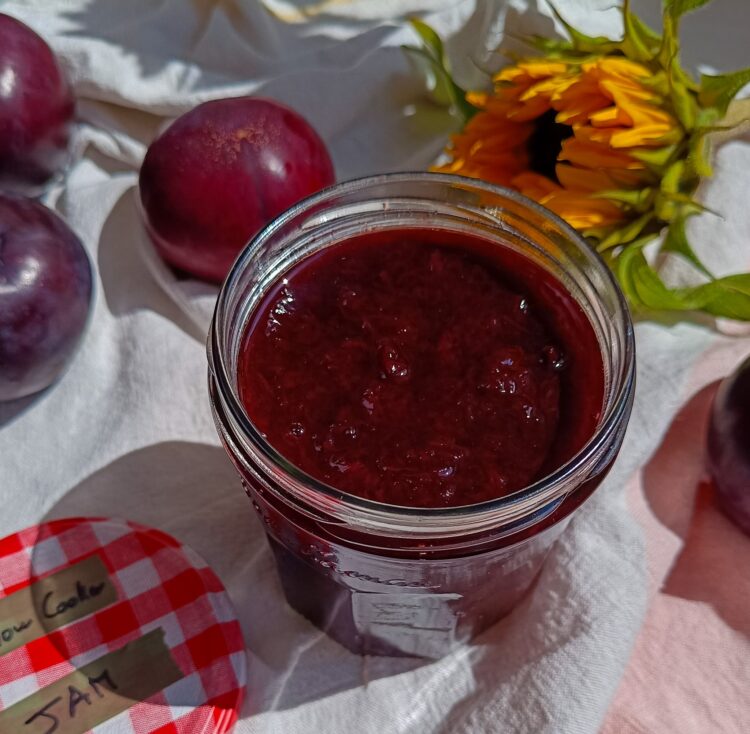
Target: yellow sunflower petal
x=499, y=106
x=581, y=211
x=576, y=208
x=617, y=66
x=478, y=99
x=533, y=68
x=621, y=94
x=645, y=135
x=577, y=112
x=529, y=110
x=547, y=88
x=610, y=117
x=647, y=114
x=499, y=171
x=534, y=185
x=585, y=180
x=490, y=147
x=595, y=134
x=541, y=67
x=574, y=87
x=594, y=155
x=576, y=101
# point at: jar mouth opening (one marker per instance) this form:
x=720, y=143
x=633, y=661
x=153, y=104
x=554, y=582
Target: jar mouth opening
x=617, y=397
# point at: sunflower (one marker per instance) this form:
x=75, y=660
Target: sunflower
x=611, y=135
x=561, y=132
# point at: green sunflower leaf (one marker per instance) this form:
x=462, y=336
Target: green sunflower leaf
x=676, y=241
x=657, y=296
x=668, y=55
x=655, y=158
x=718, y=91
x=659, y=82
x=622, y=266
x=430, y=59
x=638, y=199
x=707, y=117
x=690, y=206
x=668, y=205
x=596, y=234
x=640, y=43
x=680, y=83
x=582, y=42
x=548, y=46
x=669, y=42
x=641, y=284
x=430, y=38
x=647, y=291
x=728, y=296
x=627, y=234
x=677, y=8
x=666, y=210
x=699, y=154
x=684, y=103
x=671, y=182
x=434, y=75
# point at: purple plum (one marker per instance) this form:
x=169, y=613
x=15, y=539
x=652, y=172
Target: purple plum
x=220, y=172
x=729, y=446
x=36, y=110
x=45, y=295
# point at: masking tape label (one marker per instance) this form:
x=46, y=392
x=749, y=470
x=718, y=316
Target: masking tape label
x=54, y=601
x=96, y=692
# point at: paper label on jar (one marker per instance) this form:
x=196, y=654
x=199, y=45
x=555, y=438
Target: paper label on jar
x=416, y=624
x=54, y=601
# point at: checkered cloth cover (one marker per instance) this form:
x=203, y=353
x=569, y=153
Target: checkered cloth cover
x=160, y=584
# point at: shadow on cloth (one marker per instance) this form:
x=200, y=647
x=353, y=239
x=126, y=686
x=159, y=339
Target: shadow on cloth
x=176, y=54
x=707, y=569
x=127, y=282
x=254, y=45
x=12, y=409
x=541, y=626
x=192, y=491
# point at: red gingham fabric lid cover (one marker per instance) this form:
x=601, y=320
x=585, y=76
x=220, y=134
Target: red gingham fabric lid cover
x=160, y=584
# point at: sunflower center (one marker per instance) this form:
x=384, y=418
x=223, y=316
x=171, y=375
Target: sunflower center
x=544, y=144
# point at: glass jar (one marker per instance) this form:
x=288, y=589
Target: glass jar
x=384, y=579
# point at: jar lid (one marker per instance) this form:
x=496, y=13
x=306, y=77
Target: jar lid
x=109, y=626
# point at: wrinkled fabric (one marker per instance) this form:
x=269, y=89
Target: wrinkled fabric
x=607, y=638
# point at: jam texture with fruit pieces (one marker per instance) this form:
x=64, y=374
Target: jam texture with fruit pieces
x=421, y=368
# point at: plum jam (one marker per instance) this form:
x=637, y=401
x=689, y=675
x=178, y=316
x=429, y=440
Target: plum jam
x=421, y=368
x=419, y=379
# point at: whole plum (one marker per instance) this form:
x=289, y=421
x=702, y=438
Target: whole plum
x=36, y=110
x=45, y=295
x=222, y=171
x=729, y=445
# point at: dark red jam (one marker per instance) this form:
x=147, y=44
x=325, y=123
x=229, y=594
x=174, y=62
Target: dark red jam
x=422, y=368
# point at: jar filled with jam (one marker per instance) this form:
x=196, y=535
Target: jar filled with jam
x=419, y=377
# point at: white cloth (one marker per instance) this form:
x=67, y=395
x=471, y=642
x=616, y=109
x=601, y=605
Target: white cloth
x=128, y=432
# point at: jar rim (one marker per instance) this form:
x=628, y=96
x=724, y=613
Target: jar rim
x=531, y=496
